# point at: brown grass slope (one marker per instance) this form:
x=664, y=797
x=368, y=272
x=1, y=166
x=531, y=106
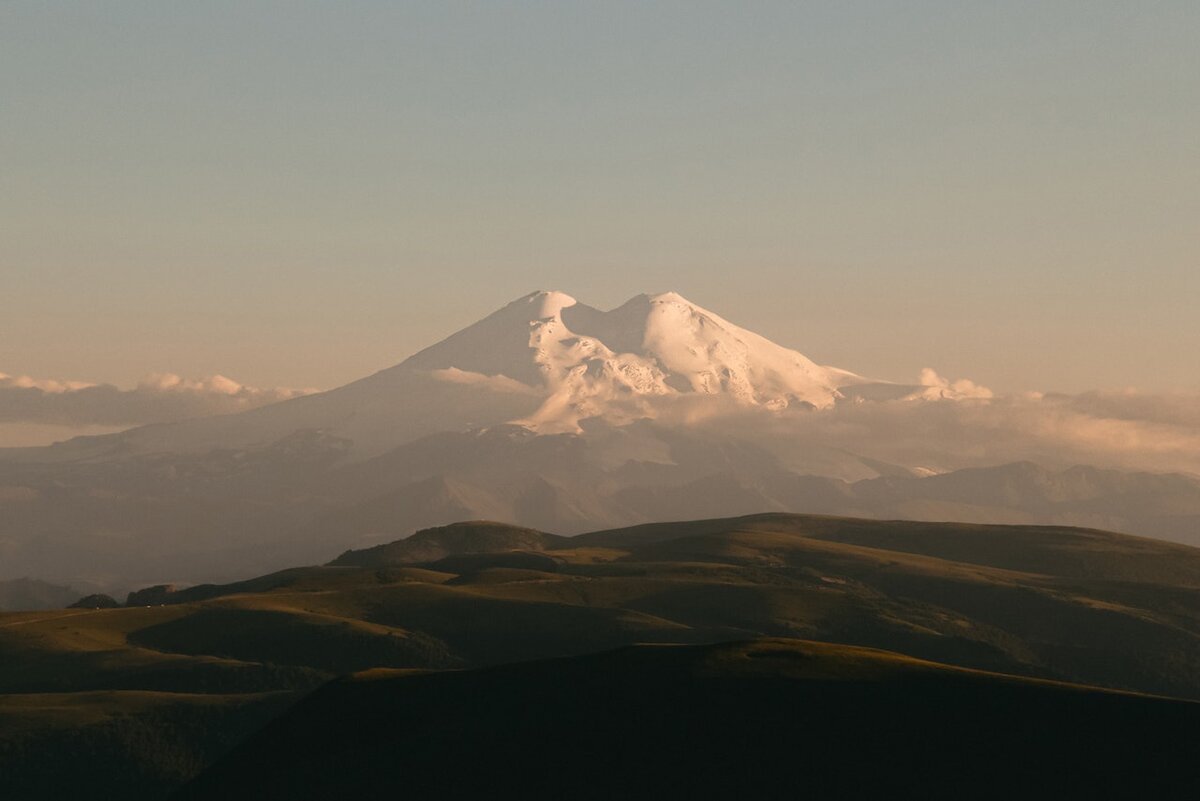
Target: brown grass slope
x=1062, y=603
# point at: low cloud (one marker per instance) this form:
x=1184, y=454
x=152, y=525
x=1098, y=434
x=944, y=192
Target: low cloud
x=940, y=425
x=158, y=398
x=1125, y=430
x=495, y=383
x=934, y=387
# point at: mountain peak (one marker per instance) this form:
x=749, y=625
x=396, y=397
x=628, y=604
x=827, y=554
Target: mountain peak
x=543, y=303
x=616, y=363
x=669, y=297
x=545, y=362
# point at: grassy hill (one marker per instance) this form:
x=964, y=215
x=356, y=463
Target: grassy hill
x=429, y=545
x=1062, y=604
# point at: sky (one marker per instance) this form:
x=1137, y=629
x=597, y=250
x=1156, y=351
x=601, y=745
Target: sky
x=296, y=194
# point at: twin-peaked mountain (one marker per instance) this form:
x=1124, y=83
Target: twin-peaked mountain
x=547, y=413
x=613, y=365
x=544, y=362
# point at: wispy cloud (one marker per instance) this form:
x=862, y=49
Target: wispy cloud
x=161, y=397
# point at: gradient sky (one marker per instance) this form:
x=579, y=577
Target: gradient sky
x=300, y=193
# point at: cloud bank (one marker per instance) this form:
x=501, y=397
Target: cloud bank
x=158, y=398
x=937, y=424
x=1126, y=430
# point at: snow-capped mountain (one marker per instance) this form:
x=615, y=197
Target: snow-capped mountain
x=552, y=414
x=591, y=363
x=545, y=362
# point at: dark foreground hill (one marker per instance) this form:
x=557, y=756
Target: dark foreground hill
x=1069, y=605
x=768, y=719
x=120, y=745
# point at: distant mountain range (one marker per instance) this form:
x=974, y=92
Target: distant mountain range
x=549, y=414
x=26, y=593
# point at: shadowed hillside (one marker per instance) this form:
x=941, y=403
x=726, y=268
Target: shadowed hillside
x=120, y=745
x=770, y=719
x=433, y=544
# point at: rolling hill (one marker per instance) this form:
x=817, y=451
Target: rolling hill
x=1056, y=604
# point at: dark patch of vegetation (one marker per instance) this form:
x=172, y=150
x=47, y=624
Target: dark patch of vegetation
x=429, y=545
x=121, y=745
x=775, y=719
x=283, y=638
x=96, y=601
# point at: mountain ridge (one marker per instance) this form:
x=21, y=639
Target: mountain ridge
x=520, y=364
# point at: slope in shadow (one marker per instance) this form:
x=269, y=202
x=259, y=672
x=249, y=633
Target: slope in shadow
x=767, y=719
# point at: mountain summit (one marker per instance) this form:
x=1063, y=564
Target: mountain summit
x=544, y=361
x=593, y=363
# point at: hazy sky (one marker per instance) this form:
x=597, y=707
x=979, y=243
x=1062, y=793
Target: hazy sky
x=298, y=194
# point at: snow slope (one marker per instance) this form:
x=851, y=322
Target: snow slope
x=616, y=364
